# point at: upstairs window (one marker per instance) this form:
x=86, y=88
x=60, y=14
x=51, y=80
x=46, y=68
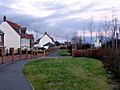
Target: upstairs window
x=23, y=32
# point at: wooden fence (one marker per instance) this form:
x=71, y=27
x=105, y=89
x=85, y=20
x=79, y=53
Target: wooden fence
x=24, y=56
x=88, y=53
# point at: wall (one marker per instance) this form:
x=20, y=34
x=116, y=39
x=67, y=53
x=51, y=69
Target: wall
x=25, y=43
x=11, y=37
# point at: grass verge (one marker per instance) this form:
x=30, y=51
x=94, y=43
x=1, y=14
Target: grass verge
x=63, y=52
x=67, y=74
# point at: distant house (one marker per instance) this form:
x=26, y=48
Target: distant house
x=48, y=45
x=98, y=43
x=45, y=41
x=16, y=36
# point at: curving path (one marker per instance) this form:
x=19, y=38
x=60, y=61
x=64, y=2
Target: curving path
x=12, y=78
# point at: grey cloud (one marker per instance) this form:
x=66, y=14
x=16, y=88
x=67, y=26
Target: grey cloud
x=86, y=8
x=6, y=2
x=66, y=27
x=50, y=6
x=104, y=9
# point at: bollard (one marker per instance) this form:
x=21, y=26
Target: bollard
x=31, y=54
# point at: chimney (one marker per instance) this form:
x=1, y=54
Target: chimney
x=4, y=18
x=45, y=32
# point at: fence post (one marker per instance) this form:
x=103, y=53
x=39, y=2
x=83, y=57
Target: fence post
x=26, y=52
x=2, y=54
x=73, y=51
x=19, y=52
x=31, y=54
x=12, y=53
x=44, y=52
x=37, y=54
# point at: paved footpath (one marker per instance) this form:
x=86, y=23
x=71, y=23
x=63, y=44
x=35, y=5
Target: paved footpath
x=54, y=54
x=12, y=78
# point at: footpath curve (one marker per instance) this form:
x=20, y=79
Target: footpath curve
x=12, y=77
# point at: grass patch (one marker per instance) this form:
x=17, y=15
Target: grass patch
x=67, y=74
x=63, y=52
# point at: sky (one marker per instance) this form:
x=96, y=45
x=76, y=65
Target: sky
x=60, y=18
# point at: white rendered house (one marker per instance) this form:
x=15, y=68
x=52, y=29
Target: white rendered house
x=97, y=42
x=44, y=40
x=15, y=36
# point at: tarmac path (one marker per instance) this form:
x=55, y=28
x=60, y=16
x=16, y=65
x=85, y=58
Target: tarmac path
x=12, y=77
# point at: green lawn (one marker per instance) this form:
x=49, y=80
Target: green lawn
x=67, y=74
x=63, y=52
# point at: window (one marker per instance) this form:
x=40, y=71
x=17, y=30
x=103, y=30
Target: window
x=0, y=37
x=23, y=32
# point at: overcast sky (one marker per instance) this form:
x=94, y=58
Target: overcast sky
x=60, y=18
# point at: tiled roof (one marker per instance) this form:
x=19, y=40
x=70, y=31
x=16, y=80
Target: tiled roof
x=30, y=36
x=48, y=36
x=23, y=28
x=13, y=25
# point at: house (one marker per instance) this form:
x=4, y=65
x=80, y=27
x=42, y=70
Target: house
x=98, y=42
x=48, y=45
x=1, y=42
x=16, y=36
x=45, y=41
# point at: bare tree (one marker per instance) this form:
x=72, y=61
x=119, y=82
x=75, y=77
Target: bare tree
x=76, y=41
x=91, y=28
x=106, y=26
x=83, y=36
x=114, y=32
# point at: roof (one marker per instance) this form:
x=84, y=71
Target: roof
x=43, y=36
x=23, y=28
x=30, y=36
x=49, y=44
x=48, y=36
x=15, y=26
